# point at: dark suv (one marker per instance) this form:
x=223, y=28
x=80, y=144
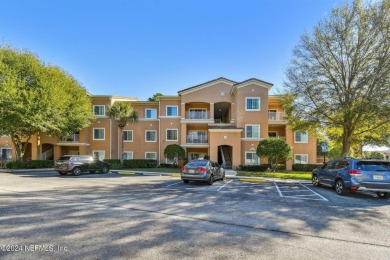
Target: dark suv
x=77, y=164
x=347, y=175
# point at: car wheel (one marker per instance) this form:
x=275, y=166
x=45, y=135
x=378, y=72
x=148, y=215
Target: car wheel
x=76, y=171
x=315, y=181
x=63, y=173
x=383, y=195
x=223, y=177
x=105, y=169
x=211, y=180
x=340, y=188
x=186, y=181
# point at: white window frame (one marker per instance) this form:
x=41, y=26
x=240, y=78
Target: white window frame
x=146, y=136
x=1, y=154
x=128, y=152
x=177, y=110
x=155, y=155
x=104, y=134
x=253, y=153
x=104, y=110
x=252, y=109
x=204, y=113
x=100, y=158
x=177, y=135
x=193, y=154
x=300, y=161
x=246, y=133
x=151, y=109
x=132, y=136
x=276, y=132
x=302, y=142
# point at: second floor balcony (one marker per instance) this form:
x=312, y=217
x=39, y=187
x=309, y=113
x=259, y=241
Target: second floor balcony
x=277, y=117
x=75, y=138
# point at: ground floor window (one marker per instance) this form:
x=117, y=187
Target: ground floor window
x=195, y=156
x=251, y=158
x=127, y=155
x=150, y=155
x=6, y=154
x=100, y=155
x=301, y=158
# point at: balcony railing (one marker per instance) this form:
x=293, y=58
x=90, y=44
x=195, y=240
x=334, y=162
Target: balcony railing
x=197, y=115
x=276, y=116
x=197, y=139
x=71, y=138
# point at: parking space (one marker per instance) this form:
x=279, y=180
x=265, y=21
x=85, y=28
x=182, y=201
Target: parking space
x=278, y=189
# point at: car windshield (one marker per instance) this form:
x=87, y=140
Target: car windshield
x=373, y=166
x=64, y=158
x=197, y=164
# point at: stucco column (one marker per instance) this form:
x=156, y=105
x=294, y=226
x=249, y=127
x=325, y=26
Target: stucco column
x=232, y=113
x=183, y=110
x=183, y=133
x=211, y=111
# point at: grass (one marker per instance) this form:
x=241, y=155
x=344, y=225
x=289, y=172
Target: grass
x=169, y=170
x=278, y=175
x=253, y=180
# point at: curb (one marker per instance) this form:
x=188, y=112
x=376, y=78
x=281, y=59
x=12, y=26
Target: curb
x=26, y=170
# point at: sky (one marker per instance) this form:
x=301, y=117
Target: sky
x=137, y=48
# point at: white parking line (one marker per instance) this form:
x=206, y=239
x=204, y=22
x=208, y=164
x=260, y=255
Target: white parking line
x=172, y=184
x=224, y=185
x=315, y=192
x=280, y=194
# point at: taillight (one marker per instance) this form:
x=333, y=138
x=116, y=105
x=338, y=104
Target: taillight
x=183, y=169
x=202, y=169
x=353, y=172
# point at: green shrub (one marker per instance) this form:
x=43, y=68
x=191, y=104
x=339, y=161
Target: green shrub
x=33, y=164
x=254, y=168
x=305, y=167
x=115, y=164
x=140, y=163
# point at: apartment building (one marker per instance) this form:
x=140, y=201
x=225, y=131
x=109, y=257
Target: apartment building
x=221, y=118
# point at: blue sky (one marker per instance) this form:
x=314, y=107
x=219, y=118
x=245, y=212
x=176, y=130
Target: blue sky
x=140, y=47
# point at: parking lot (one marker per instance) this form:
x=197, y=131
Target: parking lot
x=160, y=217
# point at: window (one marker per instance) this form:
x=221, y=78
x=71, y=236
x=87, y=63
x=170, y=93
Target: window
x=6, y=153
x=251, y=158
x=272, y=134
x=195, y=156
x=100, y=155
x=128, y=135
x=301, y=158
x=127, y=155
x=150, y=136
x=172, y=111
x=252, y=131
x=197, y=114
x=98, y=134
x=99, y=110
x=252, y=104
x=300, y=137
x=172, y=135
x=150, y=155
x=150, y=113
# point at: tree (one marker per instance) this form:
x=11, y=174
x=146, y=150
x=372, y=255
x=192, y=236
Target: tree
x=374, y=155
x=275, y=149
x=174, y=152
x=155, y=97
x=122, y=112
x=339, y=76
x=35, y=98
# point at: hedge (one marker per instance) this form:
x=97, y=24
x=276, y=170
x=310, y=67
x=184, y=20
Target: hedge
x=254, y=168
x=305, y=167
x=114, y=163
x=33, y=164
x=140, y=163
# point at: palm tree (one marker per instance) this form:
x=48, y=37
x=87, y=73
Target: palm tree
x=122, y=112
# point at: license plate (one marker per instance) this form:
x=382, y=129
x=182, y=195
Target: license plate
x=191, y=171
x=378, y=177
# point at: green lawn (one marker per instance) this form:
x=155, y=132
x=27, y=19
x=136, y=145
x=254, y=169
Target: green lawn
x=169, y=170
x=279, y=175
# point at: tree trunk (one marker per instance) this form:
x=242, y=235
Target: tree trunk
x=39, y=147
x=360, y=151
x=20, y=148
x=347, y=137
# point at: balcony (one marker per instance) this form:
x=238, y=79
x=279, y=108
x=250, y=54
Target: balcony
x=196, y=139
x=73, y=138
x=277, y=117
x=197, y=116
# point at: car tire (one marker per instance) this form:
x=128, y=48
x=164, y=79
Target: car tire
x=383, y=195
x=315, y=181
x=223, y=177
x=186, y=181
x=210, y=180
x=63, y=173
x=76, y=171
x=105, y=169
x=340, y=188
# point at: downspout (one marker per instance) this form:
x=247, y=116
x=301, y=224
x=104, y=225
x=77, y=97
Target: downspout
x=110, y=138
x=159, y=133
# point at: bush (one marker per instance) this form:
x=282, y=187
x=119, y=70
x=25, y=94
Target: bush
x=114, y=163
x=33, y=164
x=254, y=168
x=168, y=165
x=140, y=163
x=305, y=167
